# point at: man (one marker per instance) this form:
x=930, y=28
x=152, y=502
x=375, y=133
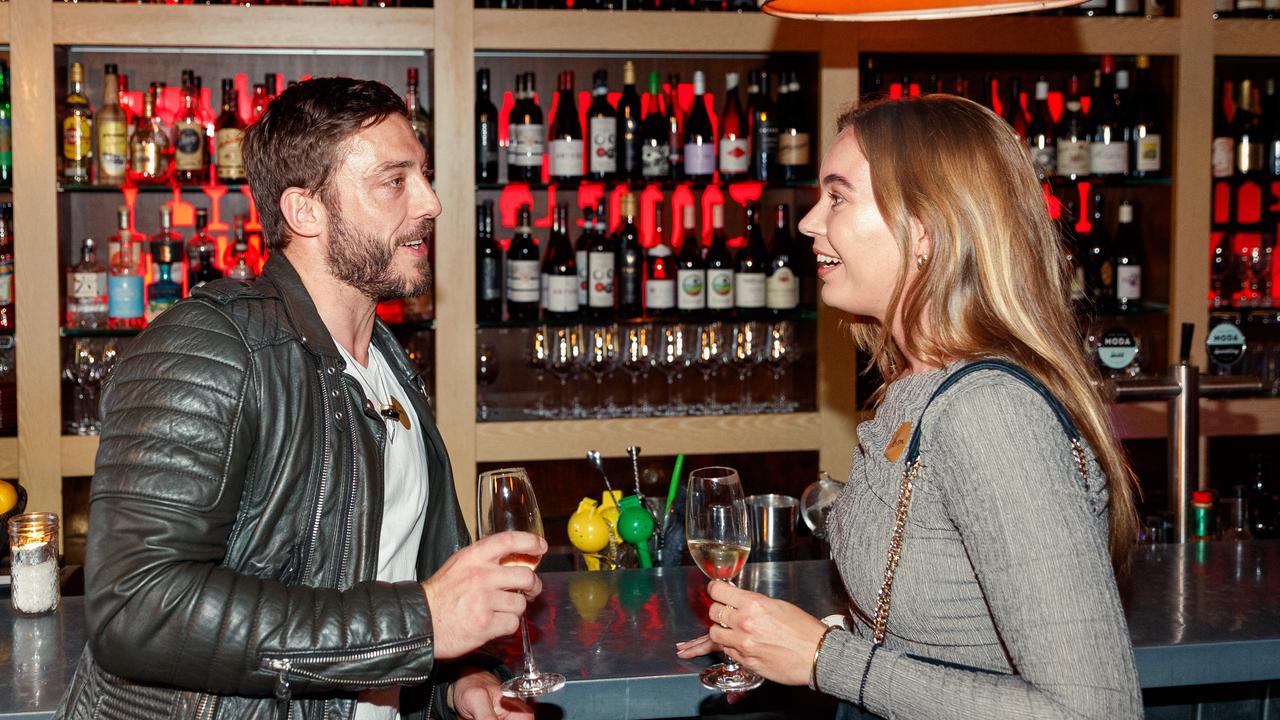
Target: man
x=274, y=526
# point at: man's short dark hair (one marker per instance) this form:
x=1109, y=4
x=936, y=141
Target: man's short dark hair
x=298, y=141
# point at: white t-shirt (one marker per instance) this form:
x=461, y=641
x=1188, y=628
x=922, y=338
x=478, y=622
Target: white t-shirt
x=404, y=500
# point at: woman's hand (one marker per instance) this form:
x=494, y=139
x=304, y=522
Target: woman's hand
x=772, y=637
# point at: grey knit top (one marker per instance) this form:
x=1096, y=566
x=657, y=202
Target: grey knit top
x=1005, y=583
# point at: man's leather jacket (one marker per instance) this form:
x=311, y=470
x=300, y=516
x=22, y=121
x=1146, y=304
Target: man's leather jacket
x=236, y=506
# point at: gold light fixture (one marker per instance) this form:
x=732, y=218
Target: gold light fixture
x=881, y=10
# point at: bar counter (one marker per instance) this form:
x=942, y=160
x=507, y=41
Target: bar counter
x=1205, y=620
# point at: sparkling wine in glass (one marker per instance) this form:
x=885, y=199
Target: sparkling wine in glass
x=719, y=541
x=505, y=501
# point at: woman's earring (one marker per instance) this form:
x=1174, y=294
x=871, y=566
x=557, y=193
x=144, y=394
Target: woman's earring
x=921, y=260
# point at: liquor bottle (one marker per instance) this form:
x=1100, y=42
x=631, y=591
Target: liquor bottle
x=764, y=134
x=176, y=252
x=782, y=286
x=126, y=296
x=164, y=292
x=6, y=130
x=1108, y=144
x=486, y=131
x=751, y=269
x=241, y=264
x=149, y=148
x=1148, y=153
x=699, y=139
x=629, y=136
x=660, y=273
x=691, y=269
x=229, y=134
x=655, y=147
x=1075, y=255
x=565, y=145
x=77, y=131
x=560, y=272
x=205, y=269
x=488, y=266
x=1271, y=122
x=124, y=233
x=1130, y=257
x=1224, y=142
x=629, y=273
x=1100, y=267
x=1040, y=134
x=675, y=128
x=1013, y=111
x=524, y=285
x=735, y=142
x=200, y=251
x=1073, y=136
x=580, y=253
x=269, y=81
x=87, y=290
x=258, y=102
x=190, y=157
x=720, y=294
x=1247, y=132
x=527, y=146
x=602, y=129
x=1126, y=7
x=419, y=118
x=112, y=132
x=7, y=310
x=793, y=136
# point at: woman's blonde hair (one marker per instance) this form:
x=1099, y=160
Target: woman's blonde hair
x=996, y=280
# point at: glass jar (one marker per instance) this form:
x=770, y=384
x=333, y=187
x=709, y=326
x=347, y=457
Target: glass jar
x=33, y=544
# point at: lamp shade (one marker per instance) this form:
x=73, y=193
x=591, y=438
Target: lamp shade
x=881, y=10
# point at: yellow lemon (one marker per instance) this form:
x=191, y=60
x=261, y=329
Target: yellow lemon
x=8, y=497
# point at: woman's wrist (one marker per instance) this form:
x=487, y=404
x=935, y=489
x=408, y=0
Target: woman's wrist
x=817, y=651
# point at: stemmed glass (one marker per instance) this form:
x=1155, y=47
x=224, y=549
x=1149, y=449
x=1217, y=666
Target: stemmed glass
x=486, y=373
x=719, y=540
x=83, y=369
x=779, y=353
x=746, y=354
x=601, y=354
x=708, y=356
x=537, y=359
x=635, y=362
x=670, y=360
x=505, y=501
x=565, y=353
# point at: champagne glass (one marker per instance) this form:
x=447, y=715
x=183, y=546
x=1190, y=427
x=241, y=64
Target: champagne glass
x=719, y=541
x=505, y=501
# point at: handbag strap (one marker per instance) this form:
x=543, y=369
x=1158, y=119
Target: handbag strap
x=911, y=469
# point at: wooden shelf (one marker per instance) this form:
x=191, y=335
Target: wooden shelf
x=1218, y=418
x=569, y=440
x=1246, y=37
x=4, y=23
x=234, y=26
x=78, y=453
x=8, y=457
x=1025, y=35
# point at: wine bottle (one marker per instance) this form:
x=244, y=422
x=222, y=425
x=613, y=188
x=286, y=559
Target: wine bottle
x=630, y=258
x=1148, y=154
x=699, y=139
x=602, y=260
x=793, y=138
x=1224, y=142
x=112, y=131
x=1040, y=134
x=1271, y=122
x=229, y=133
x=764, y=134
x=200, y=242
x=1247, y=132
x=720, y=294
x=523, y=282
x=419, y=118
x=1075, y=255
x=1108, y=144
x=676, y=129
x=1013, y=112
x=1100, y=268
x=486, y=131
x=691, y=269
x=602, y=130
x=628, y=135
x=735, y=144
x=655, y=148
x=751, y=269
x=782, y=287
x=488, y=266
x=1130, y=257
x=660, y=273
x=560, y=270
x=580, y=253
x=566, y=144
x=1073, y=136
x=527, y=145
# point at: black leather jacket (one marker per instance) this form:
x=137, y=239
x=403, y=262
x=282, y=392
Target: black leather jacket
x=236, y=506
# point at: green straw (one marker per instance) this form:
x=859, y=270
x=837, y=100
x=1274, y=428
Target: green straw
x=675, y=483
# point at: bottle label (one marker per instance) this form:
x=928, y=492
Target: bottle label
x=1109, y=158
x=1148, y=159
x=1078, y=283
x=660, y=294
x=562, y=294
x=748, y=289
x=1117, y=349
x=230, y=160
x=631, y=281
x=526, y=148
x=566, y=158
x=735, y=156
x=1223, y=6
x=88, y=285
x=766, y=137
x=6, y=282
x=720, y=289
x=1271, y=4
x=600, y=279
x=580, y=262
x=1106, y=278
x=691, y=289
x=145, y=160
x=699, y=159
x=524, y=284
x=655, y=160
x=155, y=306
x=125, y=297
x=490, y=280
x=1127, y=7
x=1248, y=156
x=1224, y=160
x=113, y=149
x=783, y=290
x=1073, y=157
x=793, y=148
x=1129, y=282
x=188, y=152
x=1226, y=344
x=1248, y=4
x=604, y=144
x=1045, y=158
x=77, y=138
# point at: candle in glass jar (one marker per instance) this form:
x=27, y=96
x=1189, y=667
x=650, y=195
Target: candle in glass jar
x=35, y=586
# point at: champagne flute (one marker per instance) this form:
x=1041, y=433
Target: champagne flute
x=505, y=501
x=719, y=541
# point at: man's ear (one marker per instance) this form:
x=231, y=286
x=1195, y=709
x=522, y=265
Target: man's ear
x=304, y=214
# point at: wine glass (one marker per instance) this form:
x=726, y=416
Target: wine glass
x=635, y=362
x=84, y=371
x=780, y=353
x=719, y=540
x=670, y=360
x=486, y=373
x=745, y=355
x=537, y=358
x=565, y=354
x=601, y=355
x=708, y=356
x=505, y=501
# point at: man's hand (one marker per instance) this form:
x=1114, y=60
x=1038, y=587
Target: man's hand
x=473, y=598
x=477, y=695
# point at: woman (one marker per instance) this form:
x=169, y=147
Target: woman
x=933, y=234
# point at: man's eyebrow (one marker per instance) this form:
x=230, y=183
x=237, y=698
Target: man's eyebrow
x=837, y=179
x=390, y=165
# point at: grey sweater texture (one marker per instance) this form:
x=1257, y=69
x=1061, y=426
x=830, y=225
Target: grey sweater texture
x=1005, y=586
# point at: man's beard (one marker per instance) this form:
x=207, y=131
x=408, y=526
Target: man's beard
x=366, y=263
